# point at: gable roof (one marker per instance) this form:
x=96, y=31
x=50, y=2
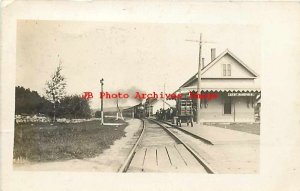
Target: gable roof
x=212, y=63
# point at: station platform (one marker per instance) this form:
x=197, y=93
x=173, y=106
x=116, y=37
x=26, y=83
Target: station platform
x=217, y=135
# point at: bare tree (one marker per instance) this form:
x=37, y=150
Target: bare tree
x=55, y=89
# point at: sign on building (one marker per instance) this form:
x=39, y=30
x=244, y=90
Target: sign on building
x=240, y=94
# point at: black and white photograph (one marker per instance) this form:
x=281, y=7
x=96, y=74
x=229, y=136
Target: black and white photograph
x=149, y=95
x=127, y=97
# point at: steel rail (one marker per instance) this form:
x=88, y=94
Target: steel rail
x=187, y=132
x=206, y=166
x=127, y=162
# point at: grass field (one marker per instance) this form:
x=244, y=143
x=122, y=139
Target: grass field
x=61, y=141
x=253, y=128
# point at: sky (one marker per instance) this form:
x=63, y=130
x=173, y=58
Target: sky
x=129, y=57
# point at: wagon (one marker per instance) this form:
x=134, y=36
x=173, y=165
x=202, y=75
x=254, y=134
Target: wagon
x=184, y=112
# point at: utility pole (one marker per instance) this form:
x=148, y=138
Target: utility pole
x=164, y=96
x=119, y=112
x=199, y=74
x=102, y=113
x=118, y=109
x=199, y=80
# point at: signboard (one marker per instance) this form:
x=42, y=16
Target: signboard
x=240, y=94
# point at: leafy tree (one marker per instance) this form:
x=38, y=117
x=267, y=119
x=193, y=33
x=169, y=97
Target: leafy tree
x=55, y=89
x=74, y=107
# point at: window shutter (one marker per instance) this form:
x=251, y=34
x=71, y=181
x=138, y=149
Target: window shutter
x=224, y=69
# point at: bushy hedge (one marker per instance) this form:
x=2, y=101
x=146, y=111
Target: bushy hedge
x=30, y=102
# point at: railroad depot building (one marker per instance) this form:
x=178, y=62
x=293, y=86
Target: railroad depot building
x=236, y=85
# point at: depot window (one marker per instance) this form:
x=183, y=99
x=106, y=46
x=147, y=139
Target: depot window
x=226, y=69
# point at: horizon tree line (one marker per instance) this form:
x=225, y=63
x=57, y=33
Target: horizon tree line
x=55, y=103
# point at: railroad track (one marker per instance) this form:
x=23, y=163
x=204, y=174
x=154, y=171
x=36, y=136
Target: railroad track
x=159, y=150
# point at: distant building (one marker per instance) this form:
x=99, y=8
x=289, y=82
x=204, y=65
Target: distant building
x=152, y=105
x=235, y=83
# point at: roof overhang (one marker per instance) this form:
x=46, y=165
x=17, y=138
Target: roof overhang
x=193, y=88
